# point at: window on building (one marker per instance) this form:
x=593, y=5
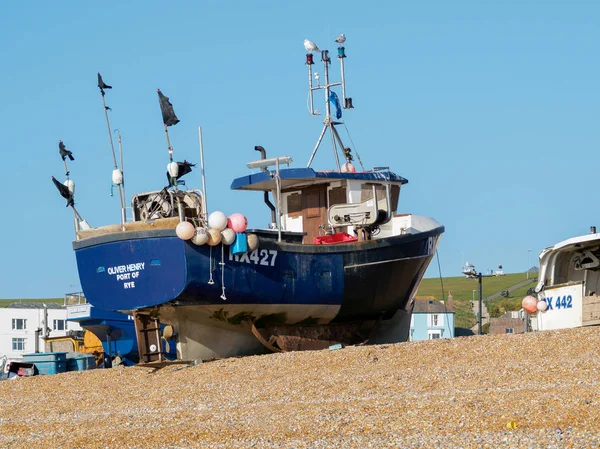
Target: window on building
x=510, y=330
x=433, y=335
x=19, y=344
x=59, y=325
x=19, y=324
x=435, y=320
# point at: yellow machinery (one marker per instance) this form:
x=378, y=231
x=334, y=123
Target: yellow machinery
x=78, y=341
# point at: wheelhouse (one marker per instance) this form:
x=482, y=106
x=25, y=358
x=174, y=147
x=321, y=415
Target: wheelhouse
x=323, y=203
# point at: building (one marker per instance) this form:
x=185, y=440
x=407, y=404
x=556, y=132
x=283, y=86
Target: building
x=24, y=325
x=432, y=319
x=509, y=323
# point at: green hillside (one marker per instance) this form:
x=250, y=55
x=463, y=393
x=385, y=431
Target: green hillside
x=462, y=292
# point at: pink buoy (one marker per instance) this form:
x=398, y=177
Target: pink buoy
x=529, y=304
x=237, y=222
x=348, y=168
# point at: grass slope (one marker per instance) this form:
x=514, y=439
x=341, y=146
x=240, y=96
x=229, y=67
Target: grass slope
x=462, y=292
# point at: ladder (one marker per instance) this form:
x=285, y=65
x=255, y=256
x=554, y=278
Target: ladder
x=147, y=330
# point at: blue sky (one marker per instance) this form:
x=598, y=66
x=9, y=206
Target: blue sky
x=490, y=109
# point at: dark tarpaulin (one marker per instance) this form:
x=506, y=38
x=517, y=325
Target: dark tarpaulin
x=168, y=114
x=64, y=192
x=102, y=85
x=64, y=153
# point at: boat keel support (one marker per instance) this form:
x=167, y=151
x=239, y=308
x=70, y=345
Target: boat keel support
x=147, y=330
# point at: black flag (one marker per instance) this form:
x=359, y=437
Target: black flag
x=102, y=85
x=169, y=117
x=64, y=192
x=185, y=167
x=64, y=153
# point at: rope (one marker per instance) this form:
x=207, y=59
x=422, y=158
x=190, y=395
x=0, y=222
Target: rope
x=437, y=255
x=222, y=263
x=354, y=146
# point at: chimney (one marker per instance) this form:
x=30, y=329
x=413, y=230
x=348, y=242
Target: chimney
x=450, y=304
x=592, y=229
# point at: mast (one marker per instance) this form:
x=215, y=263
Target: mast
x=117, y=174
x=330, y=96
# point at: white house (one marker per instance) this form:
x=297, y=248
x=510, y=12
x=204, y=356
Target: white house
x=23, y=326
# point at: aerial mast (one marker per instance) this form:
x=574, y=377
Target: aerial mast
x=330, y=96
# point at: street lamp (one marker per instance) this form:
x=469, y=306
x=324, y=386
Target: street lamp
x=472, y=273
x=528, y=253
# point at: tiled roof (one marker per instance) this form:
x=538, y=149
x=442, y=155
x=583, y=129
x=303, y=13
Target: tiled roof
x=34, y=305
x=426, y=305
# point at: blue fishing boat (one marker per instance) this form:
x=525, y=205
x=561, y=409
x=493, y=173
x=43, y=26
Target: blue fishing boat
x=336, y=264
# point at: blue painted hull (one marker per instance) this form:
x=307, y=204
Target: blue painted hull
x=365, y=281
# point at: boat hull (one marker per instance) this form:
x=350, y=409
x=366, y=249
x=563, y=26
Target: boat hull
x=211, y=296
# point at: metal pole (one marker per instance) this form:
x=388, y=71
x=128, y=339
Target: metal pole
x=480, y=304
x=312, y=156
x=310, y=90
x=173, y=181
x=337, y=160
x=343, y=82
x=278, y=182
x=327, y=105
x=112, y=149
x=122, y=185
x=528, y=253
x=205, y=212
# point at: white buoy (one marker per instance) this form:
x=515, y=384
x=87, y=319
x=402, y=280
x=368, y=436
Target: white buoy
x=217, y=220
x=185, y=230
x=252, y=242
x=228, y=236
x=117, y=176
x=201, y=237
x=70, y=185
x=542, y=306
x=173, y=169
x=214, y=237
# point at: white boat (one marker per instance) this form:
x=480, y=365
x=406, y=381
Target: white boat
x=569, y=283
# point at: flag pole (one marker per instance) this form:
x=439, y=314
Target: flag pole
x=205, y=214
x=64, y=153
x=169, y=119
x=122, y=184
x=102, y=86
x=173, y=180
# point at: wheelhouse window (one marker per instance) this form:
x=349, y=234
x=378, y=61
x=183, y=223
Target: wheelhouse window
x=19, y=344
x=59, y=325
x=366, y=193
x=19, y=324
x=294, y=205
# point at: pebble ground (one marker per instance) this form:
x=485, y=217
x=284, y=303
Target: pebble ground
x=537, y=390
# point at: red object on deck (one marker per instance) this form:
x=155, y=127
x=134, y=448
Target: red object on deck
x=340, y=237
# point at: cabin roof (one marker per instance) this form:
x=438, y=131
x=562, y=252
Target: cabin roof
x=292, y=177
